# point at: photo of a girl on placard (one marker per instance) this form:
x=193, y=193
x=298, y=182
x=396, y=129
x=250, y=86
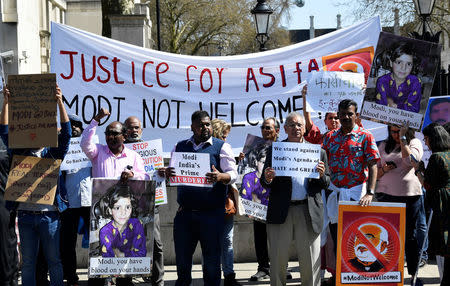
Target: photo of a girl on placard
x=400, y=88
x=400, y=81
x=124, y=235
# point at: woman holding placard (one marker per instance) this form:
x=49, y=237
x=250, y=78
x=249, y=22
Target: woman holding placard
x=397, y=183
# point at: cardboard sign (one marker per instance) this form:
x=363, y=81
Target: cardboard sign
x=32, y=180
x=32, y=111
x=75, y=157
x=295, y=159
x=371, y=242
x=190, y=169
x=327, y=89
x=129, y=252
x=152, y=154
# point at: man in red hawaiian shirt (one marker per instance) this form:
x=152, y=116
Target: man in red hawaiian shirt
x=352, y=158
x=353, y=155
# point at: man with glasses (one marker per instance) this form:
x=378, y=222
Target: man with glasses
x=295, y=212
x=111, y=160
x=134, y=134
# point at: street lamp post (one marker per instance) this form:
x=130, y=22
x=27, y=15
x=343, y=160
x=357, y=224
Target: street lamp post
x=262, y=13
x=424, y=9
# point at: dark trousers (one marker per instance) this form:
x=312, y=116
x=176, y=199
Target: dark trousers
x=9, y=271
x=157, y=277
x=413, y=205
x=191, y=227
x=69, y=234
x=446, y=278
x=41, y=268
x=262, y=254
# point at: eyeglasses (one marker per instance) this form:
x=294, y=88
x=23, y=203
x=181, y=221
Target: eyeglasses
x=292, y=125
x=113, y=133
x=267, y=127
x=395, y=131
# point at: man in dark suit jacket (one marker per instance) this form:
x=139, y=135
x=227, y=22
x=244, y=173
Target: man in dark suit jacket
x=295, y=210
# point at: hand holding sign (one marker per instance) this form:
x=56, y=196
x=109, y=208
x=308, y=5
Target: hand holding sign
x=166, y=172
x=269, y=173
x=6, y=95
x=58, y=94
x=216, y=176
x=321, y=168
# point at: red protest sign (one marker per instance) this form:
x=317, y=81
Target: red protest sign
x=370, y=244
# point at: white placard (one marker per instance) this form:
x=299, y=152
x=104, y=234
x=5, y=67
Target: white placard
x=190, y=169
x=75, y=157
x=152, y=153
x=254, y=209
x=295, y=159
x=391, y=115
x=119, y=266
x=327, y=88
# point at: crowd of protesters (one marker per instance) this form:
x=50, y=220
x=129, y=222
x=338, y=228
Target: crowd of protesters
x=352, y=167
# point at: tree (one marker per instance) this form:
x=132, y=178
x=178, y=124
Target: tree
x=206, y=27
x=440, y=19
x=214, y=27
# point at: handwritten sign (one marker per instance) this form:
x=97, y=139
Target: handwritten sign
x=152, y=154
x=254, y=209
x=190, y=169
x=295, y=159
x=32, y=180
x=326, y=89
x=75, y=157
x=32, y=111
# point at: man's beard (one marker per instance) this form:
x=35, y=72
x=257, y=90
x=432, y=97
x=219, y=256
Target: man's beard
x=135, y=139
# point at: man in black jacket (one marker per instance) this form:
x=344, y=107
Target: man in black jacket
x=295, y=210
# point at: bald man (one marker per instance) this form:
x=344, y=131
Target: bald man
x=133, y=129
x=114, y=159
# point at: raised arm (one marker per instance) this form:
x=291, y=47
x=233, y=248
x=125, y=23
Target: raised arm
x=5, y=108
x=4, y=117
x=87, y=144
x=308, y=121
x=62, y=110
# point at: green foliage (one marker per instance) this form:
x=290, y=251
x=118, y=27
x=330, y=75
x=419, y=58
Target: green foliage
x=214, y=27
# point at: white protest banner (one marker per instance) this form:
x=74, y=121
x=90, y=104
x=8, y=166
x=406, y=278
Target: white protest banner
x=119, y=266
x=326, y=89
x=75, y=157
x=190, y=169
x=164, y=89
x=295, y=159
x=254, y=209
x=152, y=154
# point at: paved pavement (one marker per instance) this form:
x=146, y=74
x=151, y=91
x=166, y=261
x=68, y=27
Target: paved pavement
x=428, y=274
